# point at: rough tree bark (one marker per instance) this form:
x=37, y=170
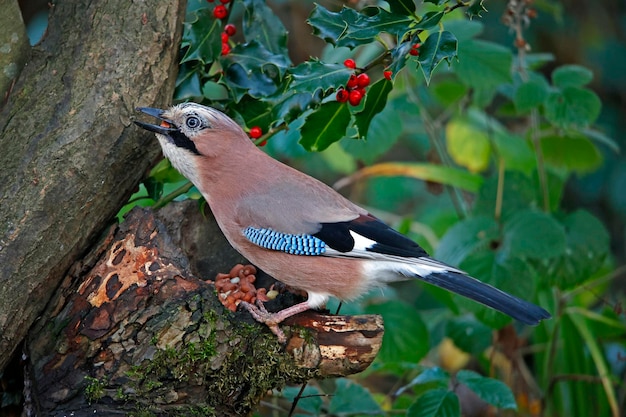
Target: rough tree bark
x=69, y=154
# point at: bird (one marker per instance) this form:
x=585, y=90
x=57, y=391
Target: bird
x=296, y=228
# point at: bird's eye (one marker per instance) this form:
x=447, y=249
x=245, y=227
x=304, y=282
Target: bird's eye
x=193, y=122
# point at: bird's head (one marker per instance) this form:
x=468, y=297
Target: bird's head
x=190, y=133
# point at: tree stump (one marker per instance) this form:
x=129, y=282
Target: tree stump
x=132, y=329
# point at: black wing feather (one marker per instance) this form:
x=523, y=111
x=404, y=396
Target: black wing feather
x=388, y=241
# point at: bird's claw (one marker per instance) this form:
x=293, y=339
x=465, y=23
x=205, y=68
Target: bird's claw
x=271, y=320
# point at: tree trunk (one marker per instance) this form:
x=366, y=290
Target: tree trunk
x=69, y=154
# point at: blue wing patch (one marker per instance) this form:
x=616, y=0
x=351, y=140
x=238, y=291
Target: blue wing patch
x=293, y=244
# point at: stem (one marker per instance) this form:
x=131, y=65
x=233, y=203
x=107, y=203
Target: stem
x=163, y=201
x=500, y=191
x=517, y=22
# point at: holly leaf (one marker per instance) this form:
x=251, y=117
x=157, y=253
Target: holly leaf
x=475, y=9
x=437, y=47
x=254, y=56
x=313, y=75
x=325, y=126
x=262, y=25
x=404, y=7
x=350, y=28
x=375, y=101
x=203, y=37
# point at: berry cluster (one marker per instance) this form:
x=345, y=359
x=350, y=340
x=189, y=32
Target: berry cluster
x=354, y=91
x=229, y=30
x=415, y=49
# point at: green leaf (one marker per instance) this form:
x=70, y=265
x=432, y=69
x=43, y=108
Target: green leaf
x=382, y=134
x=325, y=126
x=466, y=237
x=534, y=234
x=254, y=56
x=254, y=112
x=435, y=403
x=203, y=35
x=576, y=152
x=514, y=151
x=587, y=245
x=490, y=390
x=468, y=145
x=352, y=398
x=572, y=106
x=261, y=24
x=519, y=192
x=406, y=337
x=313, y=75
x=469, y=335
x=448, y=92
x=405, y=7
x=483, y=65
x=351, y=28
x=429, y=20
x=571, y=76
x=375, y=101
x=213, y=91
x=437, y=47
x=188, y=84
x=530, y=95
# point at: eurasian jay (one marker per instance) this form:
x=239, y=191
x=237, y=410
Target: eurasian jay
x=297, y=229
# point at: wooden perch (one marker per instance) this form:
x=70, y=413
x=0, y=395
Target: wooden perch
x=132, y=329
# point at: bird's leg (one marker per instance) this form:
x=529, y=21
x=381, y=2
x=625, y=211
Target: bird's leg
x=260, y=314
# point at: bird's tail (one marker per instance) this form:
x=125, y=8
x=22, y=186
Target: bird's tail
x=469, y=287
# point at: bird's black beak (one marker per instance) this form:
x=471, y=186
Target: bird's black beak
x=165, y=128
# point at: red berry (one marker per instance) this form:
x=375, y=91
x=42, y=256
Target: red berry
x=350, y=63
x=263, y=143
x=224, y=37
x=355, y=97
x=342, y=96
x=417, y=46
x=220, y=11
x=387, y=74
x=352, y=82
x=256, y=132
x=362, y=80
x=225, y=49
x=414, y=52
x=225, y=1
x=230, y=29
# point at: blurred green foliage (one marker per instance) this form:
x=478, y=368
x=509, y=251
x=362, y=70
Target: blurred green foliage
x=477, y=143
